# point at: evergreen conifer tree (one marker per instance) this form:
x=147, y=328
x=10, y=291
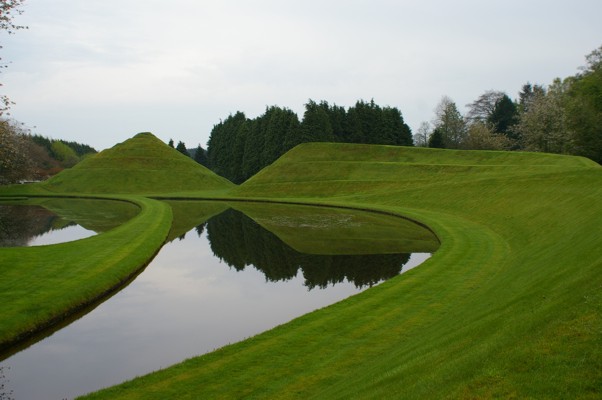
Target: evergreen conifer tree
x=181, y=147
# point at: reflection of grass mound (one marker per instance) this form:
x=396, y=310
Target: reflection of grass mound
x=142, y=164
x=190, y=214
x=241, y=242
x=320, y=230
x=95, y=215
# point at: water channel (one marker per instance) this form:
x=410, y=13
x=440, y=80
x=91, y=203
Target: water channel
x=229, y=271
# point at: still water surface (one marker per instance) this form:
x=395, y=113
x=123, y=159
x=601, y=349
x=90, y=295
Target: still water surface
x=51, y=220
x=215, y=283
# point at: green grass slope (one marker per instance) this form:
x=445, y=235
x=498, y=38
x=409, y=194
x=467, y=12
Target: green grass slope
x=142, y=164
x=510, y=306
x=40, y=286
x=349, y=168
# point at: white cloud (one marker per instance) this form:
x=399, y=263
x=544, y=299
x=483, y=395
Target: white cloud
x=92, y=70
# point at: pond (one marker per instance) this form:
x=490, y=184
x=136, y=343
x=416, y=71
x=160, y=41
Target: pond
x=45, y=221
x=230, y=271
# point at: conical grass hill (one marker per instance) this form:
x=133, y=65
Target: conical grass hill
x=142, y=164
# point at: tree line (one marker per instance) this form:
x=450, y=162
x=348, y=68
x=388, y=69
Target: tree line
x=239, y=147
x=24, y=156
x=565, y=117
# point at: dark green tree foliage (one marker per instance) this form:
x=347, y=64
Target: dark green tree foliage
x=436, y=139
x=200, y=229
x=365, y=123
x=504, y=116
x=315, y=126
x=238, y=147
x=240, y=242
x=394, y=130
x=170, y=143
x=200, y=156
x=79, y=148
x=280, y=123
x=225, y=147
x=338, y=121
x=292, y=136
x=181, y=147
x=251, y=163
x=238, y=151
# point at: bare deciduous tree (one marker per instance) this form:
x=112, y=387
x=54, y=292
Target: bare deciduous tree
x=482, y=108
x=421, y=138
x=450, y=123
x=8, y=10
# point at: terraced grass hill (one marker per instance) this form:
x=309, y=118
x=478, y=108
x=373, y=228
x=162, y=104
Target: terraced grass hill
x=510, y=306
x=142, y=164
x=347, y=169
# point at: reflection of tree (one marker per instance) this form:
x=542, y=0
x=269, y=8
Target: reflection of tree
x=200, y=229
x=20, y=224
x=362, y=270
x=239, y=241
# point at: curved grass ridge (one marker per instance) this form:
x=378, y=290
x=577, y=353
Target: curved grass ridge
x=510, y=305
x=42, y=285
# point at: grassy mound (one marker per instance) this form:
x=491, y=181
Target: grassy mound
x=142, y=164
x=345, y=169
x=510, y=306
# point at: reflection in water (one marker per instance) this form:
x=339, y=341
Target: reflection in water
x=5, y=393
x=20, y=225
x=54, y=220
x=188, y=303
x=240, y=242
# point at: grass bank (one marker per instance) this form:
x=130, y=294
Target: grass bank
x=510, y=306
x=42, y=285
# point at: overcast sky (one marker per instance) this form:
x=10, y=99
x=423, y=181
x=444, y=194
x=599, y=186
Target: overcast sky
x=100, y=71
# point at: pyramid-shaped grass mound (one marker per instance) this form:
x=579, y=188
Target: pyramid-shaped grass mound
x=142, y=164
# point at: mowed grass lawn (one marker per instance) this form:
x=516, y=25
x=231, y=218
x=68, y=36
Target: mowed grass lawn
x=510, y=306
x=40, y=286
